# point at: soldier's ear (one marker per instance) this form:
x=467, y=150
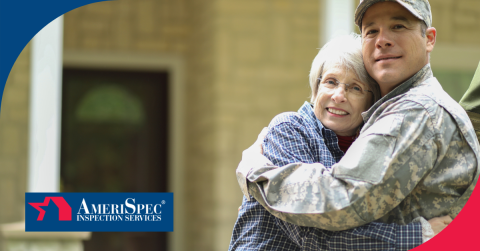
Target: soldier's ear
x=431, y=37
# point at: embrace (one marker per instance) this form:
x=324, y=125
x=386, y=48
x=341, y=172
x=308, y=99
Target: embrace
x=380, y=159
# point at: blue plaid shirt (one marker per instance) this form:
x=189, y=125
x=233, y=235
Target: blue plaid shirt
x=301, y=137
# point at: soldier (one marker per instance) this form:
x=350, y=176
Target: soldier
x=416, y=156
x=320, y=132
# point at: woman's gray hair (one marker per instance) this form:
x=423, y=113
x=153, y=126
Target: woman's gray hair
x=345, y=51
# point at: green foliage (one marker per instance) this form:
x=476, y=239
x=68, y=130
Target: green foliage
x=109, y=103
x=455, y=83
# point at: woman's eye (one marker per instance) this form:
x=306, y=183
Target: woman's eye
x=369, y=32
x=356, y=88
x=331, y=82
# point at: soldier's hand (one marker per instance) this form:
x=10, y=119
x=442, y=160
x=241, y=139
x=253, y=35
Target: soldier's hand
x=251, y=157
x=257, y=146
x=439, y=223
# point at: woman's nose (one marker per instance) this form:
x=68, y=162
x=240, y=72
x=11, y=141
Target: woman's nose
x=339, y=95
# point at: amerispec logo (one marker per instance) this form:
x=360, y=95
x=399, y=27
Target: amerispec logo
x=64, y=210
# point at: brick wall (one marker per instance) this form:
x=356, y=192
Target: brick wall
x=201, y=111
x=246, y=61
x=264, y=50
x=14, y=139
x=457, y=21
x=129, y=25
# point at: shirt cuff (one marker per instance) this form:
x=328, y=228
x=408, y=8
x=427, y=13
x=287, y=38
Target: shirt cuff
x=427, y=231
x=409, y=236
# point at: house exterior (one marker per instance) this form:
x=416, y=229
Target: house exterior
x=228, y=66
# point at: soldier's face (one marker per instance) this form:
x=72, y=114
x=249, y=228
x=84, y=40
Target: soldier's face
x=392, y=44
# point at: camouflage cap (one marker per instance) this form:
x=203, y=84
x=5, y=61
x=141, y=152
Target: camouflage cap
x=419, y=8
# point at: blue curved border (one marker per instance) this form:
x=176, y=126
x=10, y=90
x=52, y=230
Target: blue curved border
x=20, y=20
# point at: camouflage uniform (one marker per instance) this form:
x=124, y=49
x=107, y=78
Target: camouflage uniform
x=471, y=102
x=416, y=155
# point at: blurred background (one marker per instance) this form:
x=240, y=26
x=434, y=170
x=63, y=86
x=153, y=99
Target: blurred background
x=164, y=95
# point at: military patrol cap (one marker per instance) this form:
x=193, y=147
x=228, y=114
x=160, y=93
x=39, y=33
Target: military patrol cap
x=419, y=8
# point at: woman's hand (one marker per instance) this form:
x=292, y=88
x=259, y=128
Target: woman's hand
x=439, y=223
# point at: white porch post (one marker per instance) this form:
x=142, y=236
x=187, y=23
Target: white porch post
x=45, y=109
x=337, y=18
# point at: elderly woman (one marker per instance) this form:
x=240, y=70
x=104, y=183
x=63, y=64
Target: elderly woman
x=320, y=132
x=341, y=91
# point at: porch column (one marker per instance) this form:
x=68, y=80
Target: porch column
x=337, y=19
x=45, y=109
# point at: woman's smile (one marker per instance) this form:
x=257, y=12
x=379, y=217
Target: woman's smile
x=336, y=112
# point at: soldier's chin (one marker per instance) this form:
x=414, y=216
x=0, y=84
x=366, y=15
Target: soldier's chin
x=387, y=77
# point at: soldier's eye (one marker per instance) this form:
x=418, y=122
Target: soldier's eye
x=370, y=32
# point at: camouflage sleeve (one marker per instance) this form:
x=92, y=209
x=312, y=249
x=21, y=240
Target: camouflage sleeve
x=379, y=170
x=251, y=157
x=475, y=119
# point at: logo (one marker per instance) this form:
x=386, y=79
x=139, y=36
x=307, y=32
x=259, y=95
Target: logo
x=65, y=211
x=106, y=212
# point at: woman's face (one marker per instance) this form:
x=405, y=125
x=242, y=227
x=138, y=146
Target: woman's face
x=337, y=109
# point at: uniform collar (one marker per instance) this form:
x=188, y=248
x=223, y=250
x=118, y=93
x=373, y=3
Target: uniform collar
x=419, y=77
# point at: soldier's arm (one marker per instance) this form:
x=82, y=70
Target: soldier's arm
x=285, y=143
x=378, y=171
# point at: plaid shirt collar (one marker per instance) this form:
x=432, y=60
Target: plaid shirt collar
x=330, y=138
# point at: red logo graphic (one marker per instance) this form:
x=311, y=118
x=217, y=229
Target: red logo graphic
x=64, y=210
